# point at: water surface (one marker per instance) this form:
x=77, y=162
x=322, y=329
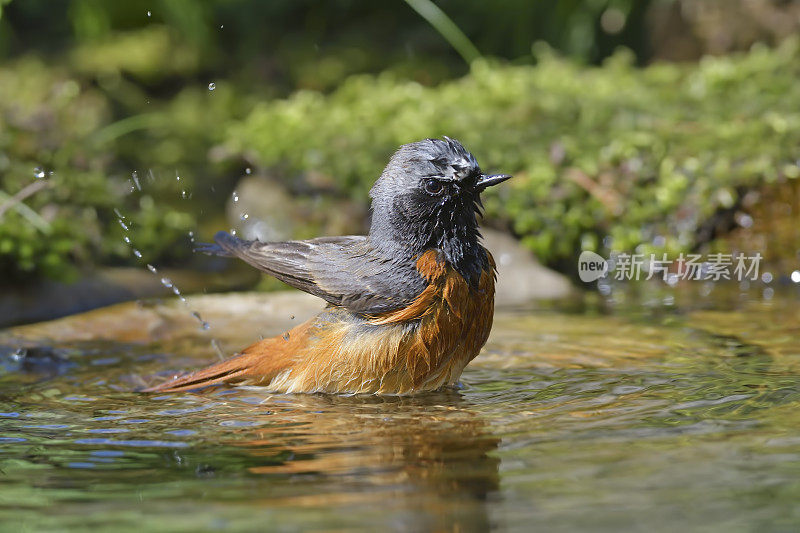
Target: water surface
x=642, y=415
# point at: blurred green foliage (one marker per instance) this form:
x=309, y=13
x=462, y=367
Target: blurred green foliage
x=316, y=43
x=57, y=136
x=639, y=155
x=47, y=119
x=644, y=156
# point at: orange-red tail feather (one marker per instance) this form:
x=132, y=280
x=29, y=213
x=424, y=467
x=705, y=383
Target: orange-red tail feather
x=258, y=363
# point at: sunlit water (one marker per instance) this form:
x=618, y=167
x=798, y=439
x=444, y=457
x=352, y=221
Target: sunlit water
x=641, y=417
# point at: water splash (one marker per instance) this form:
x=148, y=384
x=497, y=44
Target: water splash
x=135, y=178
x=165, y=281
x=215, y=345
x=205, y=326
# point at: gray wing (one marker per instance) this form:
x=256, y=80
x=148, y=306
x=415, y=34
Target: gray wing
x=343, y=271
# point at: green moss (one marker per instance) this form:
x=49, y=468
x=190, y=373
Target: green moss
x=51, y=123
x=611, y=151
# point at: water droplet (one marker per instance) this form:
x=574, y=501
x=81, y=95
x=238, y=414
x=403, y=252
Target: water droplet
x=796, y=276
x=286, y=336
x=245, y=216
x=135, y=177
x=186, y=194
x=291, y=317
x=766, y=277
x=212, y=86
x=166, y=282
x=19, y=354
x=215, y=345
x=126, y=239
x=248, y=171
x=205, y=325
x=38, y=173
x=149, y=14
x=124, y=226
x=137, y=253
x=152, y=269
x=235, y=196
x=176, y=291
x=119, y=215
x=744, y=220
x=604, y=288
x=233, y=231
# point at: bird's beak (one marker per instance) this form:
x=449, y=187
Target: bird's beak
x=487, y=181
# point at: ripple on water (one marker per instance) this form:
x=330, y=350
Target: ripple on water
x=602, y=423
x=134, y=443
x=181, y=432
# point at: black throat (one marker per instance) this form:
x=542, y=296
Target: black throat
x=453, y=230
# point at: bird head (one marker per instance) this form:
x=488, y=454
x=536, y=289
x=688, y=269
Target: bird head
x=428, y=196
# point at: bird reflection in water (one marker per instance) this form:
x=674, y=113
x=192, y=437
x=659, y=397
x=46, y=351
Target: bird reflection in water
x=425, y=462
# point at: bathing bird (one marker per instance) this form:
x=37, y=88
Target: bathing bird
x=408, y=306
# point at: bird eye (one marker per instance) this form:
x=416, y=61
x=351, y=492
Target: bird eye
x=433, y=186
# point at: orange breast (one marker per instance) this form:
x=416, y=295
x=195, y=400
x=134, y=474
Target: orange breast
x=423, y=346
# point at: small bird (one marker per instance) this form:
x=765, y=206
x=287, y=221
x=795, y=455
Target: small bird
x=409, y=305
